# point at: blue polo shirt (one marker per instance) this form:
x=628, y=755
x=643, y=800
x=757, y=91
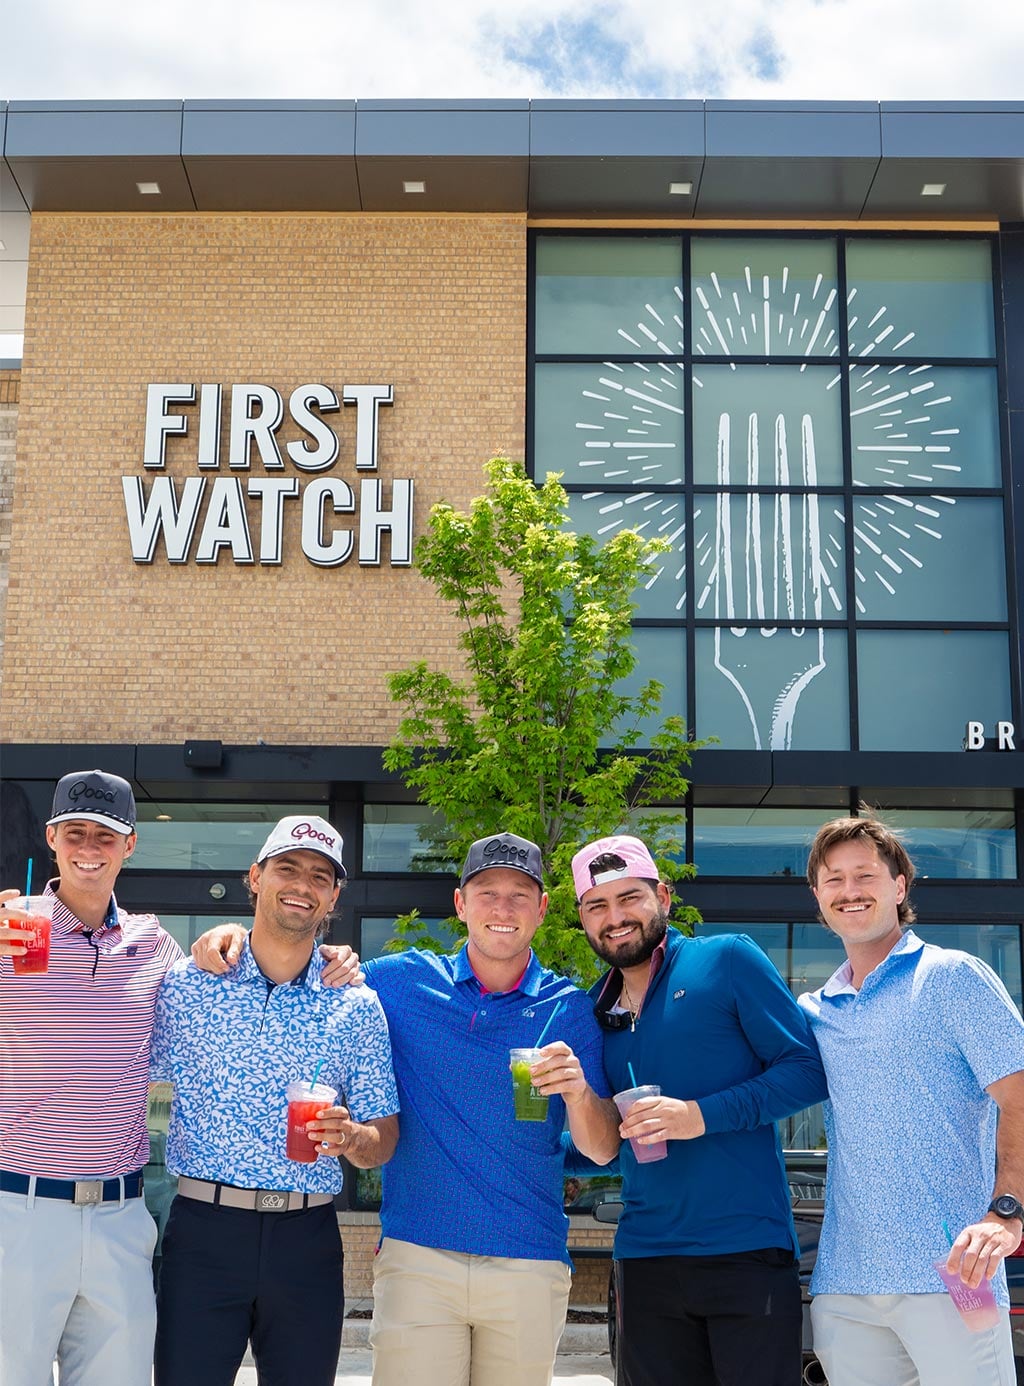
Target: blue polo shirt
x=467, y=1176
x=232, y=1044
x=911, y=1130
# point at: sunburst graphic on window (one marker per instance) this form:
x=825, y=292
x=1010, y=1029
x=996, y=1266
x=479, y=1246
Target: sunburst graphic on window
x=775, y=559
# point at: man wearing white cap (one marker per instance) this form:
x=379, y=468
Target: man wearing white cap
x=251, y=1250
x=76, y=1241
x=705, y=1250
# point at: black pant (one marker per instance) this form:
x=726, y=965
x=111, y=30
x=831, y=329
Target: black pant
x=229, y=1276
x=709, y=1320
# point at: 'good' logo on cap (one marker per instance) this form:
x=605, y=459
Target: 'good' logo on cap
x=304, y=830
x=81, y=790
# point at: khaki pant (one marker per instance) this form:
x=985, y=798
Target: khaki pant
x=442, y=1318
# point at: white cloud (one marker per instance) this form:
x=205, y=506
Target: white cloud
x=796, y=49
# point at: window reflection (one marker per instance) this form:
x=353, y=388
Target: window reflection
x=205, y=836
x=609, y=294
x=377, y=931
x=403, y=837
x=756, y=842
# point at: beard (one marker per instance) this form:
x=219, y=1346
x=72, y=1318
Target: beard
x=634, y=950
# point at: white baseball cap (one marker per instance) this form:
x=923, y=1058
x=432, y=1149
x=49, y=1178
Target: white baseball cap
x=299, y=833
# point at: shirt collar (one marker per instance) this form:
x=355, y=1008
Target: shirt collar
x=842, y=979
x=612, y=988
x=247, y=969
x=68, y=923
x=529, y=983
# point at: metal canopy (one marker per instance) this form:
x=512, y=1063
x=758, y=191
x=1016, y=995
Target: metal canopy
x=803, y=161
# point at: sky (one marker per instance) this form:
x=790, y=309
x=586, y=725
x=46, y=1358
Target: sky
x=865, y=50
x=962, y=50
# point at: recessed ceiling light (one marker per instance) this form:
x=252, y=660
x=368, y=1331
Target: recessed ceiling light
x=933, y=189
x=163, y=818
x=680, y=189
x=148, y=189
x=414, y=187
x=2, y=246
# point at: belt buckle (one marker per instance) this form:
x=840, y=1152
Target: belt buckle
x=272, y=1201
x=88, y=1191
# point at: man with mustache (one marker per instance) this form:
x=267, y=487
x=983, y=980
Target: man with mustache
x=706, y=1251
x=923, y=1049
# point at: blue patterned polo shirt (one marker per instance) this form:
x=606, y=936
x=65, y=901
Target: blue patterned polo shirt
x=911, y=1130
x=232, y=1044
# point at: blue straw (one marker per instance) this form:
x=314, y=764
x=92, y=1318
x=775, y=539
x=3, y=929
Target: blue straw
x=945, y=1228
x=547, y=1024
x=28, y=878
x=632, y=1075
x=316, y=1072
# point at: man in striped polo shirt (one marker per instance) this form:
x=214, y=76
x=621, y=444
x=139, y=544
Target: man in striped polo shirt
x=76, y=1240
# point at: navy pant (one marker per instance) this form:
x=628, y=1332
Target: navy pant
x=709, y=1320
x=231, y=1276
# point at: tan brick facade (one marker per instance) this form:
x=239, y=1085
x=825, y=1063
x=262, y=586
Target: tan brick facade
x=10, y=382
x=102, y=649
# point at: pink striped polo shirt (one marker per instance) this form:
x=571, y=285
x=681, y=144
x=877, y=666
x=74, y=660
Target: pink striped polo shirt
x=74, y=1048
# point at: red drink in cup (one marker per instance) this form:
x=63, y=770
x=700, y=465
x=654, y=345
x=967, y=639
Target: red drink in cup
x=39, y=909
x=645, y=1154
x=304, y=1102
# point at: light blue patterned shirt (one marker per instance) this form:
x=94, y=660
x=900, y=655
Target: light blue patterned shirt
x=911, y=1130
x=232, y=1044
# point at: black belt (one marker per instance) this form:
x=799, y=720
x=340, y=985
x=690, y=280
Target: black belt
x=82, y=1191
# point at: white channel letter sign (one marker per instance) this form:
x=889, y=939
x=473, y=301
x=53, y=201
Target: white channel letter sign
x=199, y=517
x=1002, y=740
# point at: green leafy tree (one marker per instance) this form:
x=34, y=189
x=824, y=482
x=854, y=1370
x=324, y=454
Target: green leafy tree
x=537, y=738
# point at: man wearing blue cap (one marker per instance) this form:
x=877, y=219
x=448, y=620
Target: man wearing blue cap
x=76, y=1241
x=251, y=1249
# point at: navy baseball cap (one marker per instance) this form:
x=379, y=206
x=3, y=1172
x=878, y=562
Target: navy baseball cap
x=96, y=796
x=504, y=850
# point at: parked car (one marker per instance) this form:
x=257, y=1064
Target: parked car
x=806, y=1170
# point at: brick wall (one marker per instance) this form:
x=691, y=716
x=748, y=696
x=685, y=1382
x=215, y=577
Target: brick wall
x=9, y=387
x=99, y=648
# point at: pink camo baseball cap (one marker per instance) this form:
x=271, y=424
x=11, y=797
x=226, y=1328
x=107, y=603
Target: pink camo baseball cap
x=630, y=851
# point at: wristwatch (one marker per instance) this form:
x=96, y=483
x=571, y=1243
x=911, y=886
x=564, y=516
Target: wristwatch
x=1006, y=1206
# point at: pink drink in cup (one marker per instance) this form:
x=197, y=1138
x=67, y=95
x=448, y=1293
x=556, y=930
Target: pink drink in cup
x=977, y=1307
x=39, y=909
x=304, y=1102
x=645, y=1154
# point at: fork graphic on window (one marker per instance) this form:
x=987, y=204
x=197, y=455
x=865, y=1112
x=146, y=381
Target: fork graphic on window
x=768, y=567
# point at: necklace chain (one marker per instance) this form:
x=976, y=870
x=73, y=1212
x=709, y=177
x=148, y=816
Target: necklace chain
x=634, y=1011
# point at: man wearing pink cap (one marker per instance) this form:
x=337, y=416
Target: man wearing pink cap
x=706, y=1253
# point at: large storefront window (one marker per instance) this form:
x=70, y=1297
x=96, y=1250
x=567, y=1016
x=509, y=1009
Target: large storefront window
x=812, y=422
x=205, y=836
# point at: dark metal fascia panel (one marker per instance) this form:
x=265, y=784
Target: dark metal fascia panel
x=982, y=134
x=262, y=132
x=436, y=132
x=142, y=129
x=781, y=135
x=611, y=133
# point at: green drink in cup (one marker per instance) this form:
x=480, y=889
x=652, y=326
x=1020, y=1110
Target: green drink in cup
x=530, y=1104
